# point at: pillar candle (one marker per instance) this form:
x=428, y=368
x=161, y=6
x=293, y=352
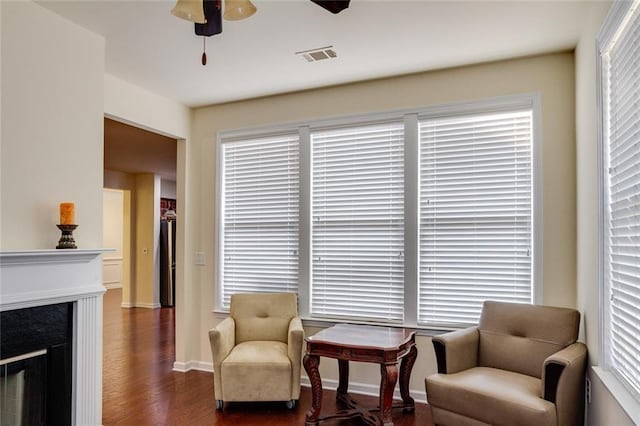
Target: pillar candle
x=67, y=214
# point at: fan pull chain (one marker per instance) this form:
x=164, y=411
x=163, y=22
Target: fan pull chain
x=204, y=51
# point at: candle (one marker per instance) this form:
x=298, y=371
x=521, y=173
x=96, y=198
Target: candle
x=67, y=214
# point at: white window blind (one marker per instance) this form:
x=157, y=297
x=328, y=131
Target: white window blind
x=622, y=239
x=358, y=222
x=260, y=215
x=475, y=214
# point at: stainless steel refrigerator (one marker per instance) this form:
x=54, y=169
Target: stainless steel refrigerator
x=167, y=262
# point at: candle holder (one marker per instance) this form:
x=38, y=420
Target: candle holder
x=66, y=239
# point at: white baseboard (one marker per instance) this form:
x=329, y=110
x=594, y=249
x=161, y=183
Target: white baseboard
x=140, y=305
x=183, y=367
x=354, y=387
x=111, y=286
x=365, y=389
x=147, y=305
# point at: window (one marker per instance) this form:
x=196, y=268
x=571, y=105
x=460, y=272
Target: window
x=475, y=214
x=358, y=222
x=260, y=211
x=619, y=46
x=411, y=218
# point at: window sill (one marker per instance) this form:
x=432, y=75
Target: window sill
x=620, y=393
x=324, y=323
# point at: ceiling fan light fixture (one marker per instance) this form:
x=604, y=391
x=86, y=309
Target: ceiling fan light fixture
x=333, y=6
x=190, y=10
x=234, y=10
x=213, y=15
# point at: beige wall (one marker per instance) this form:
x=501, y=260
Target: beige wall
x=604, y=409
x=141, y=212
x=113, y=238
x=52, y=106
x=113, y=222
x=126, y=183
x=551, y=75
x=54, y=75
x=141, y=224
x=146, y=292
x=119, y=180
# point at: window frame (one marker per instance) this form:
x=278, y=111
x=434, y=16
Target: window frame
x=411, y=201
x=384, y=137
x=473, y=121
x=263, y=137
x=611, y=28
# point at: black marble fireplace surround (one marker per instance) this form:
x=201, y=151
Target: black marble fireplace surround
x=47, y=378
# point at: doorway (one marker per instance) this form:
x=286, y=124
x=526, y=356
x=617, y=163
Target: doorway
x=140, y=165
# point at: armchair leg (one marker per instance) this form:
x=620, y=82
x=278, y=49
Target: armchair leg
x=219, y=404
x=291, y=404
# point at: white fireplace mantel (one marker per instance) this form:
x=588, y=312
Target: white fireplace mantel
x=45, y=277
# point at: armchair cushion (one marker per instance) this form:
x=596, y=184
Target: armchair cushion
x=492, y=396
x=257, y=371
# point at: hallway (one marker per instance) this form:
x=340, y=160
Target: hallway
x=139, y=386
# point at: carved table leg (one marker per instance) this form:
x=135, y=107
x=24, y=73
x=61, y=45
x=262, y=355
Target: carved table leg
x=343, y=382
x=405, y=374
x=311, y=364
x=388, y=381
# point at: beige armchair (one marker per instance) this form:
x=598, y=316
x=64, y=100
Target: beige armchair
x=520, y=366
x=257, y=350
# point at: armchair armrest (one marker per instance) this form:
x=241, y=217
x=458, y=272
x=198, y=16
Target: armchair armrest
x=563, y=382
x=222, y=339
x=294, y=343
x=457, y=350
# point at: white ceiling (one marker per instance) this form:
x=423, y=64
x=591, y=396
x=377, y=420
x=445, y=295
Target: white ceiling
x=151, y=48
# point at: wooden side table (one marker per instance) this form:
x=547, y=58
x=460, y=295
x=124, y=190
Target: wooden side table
x=382, y=345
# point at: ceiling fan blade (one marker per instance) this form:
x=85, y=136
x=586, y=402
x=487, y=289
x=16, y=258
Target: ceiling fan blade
x=333, y=6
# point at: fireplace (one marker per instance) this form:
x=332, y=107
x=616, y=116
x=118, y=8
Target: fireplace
x=51, y=340
x=35, y=356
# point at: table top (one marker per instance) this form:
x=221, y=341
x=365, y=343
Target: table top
x=364, y=336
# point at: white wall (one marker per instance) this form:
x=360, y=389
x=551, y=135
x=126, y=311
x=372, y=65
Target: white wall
x=134, y=105
x=52, y=127
x=587, y=178
x=52, y=150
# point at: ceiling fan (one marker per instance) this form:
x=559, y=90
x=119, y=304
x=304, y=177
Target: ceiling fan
x=207, y=14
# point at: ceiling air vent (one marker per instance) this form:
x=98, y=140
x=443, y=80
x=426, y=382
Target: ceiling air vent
x=313, y=55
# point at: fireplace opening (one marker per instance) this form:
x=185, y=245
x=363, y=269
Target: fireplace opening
x=22, y=389
x=36, y=365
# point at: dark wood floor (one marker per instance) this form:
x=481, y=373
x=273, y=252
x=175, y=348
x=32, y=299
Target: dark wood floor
x=139, y=387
